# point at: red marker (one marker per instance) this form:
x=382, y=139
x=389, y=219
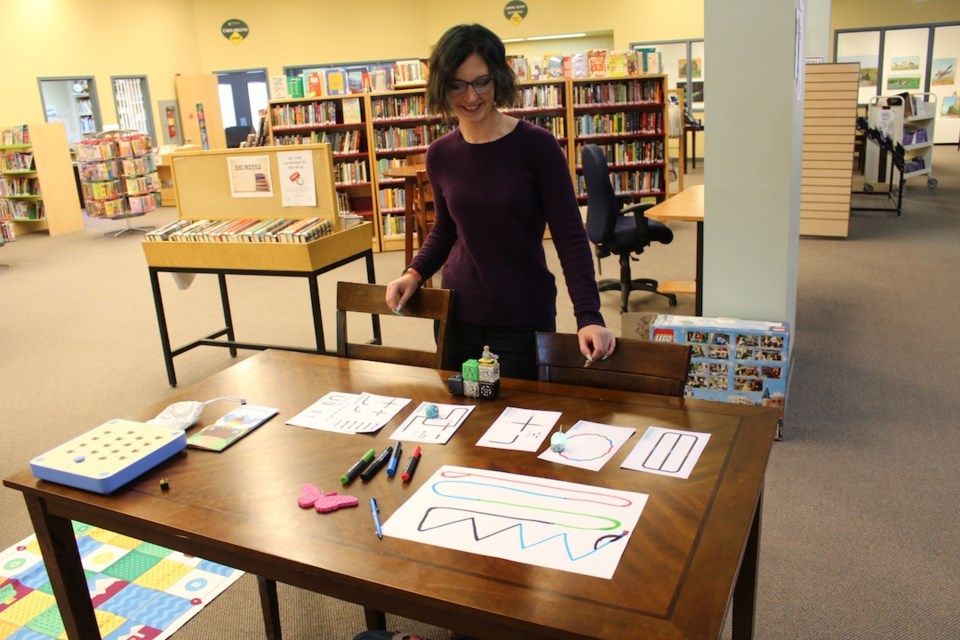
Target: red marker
x=412, y=464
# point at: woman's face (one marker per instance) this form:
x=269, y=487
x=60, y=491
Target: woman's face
x=471, y=93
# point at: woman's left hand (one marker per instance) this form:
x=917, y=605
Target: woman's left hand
x=596, y=342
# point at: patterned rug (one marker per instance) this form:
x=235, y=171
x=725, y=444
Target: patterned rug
x=140, y=591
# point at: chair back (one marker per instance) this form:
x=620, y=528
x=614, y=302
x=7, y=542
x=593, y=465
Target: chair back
x=603, y=207
x=636, y=365
x=432, y=304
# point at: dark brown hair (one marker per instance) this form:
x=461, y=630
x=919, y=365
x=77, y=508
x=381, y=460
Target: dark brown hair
x=455, y=46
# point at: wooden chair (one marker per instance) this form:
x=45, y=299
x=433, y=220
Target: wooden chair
x=636, y=365
x=433, y=304
x=423, y=211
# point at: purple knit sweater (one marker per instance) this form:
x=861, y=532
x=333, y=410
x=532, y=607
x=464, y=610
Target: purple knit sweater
x=493, y=201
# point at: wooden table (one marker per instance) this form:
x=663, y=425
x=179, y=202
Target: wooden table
x=694, y=548
x=409, y=174
x=685, y=206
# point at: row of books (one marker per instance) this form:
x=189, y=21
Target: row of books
x=354, y=172
x=632, y=91
x=619, y=123
x=22, y=210
x=341, y=142
x=557, y=125
x=7, y=234
x=545, y=96
x=393, y=199
x=629, y=152
x=119, y=146
x=333, y=81
x=244, y=230
x=593, y=63
x=393, y=107
x=11, y=186
x=19, y=162
x=397, y=138
x=915, y=135
x=19, y=134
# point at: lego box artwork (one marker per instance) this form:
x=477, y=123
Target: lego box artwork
x=737, y=361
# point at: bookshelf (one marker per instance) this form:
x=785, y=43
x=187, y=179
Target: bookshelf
x=340, y=121
x=37, y=187
x=394, y=125
x=626, y=117
x=908, y=119
x=118, y=176
x=400, y=126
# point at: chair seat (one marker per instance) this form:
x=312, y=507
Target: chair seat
x=626, y=235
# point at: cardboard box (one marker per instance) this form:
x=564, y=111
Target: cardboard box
x=739, y=361
x=636, y=325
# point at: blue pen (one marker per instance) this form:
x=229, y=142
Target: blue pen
x=394, y=460
x=375, y=509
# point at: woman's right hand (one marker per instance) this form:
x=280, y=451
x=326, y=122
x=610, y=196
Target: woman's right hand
x=401, y=290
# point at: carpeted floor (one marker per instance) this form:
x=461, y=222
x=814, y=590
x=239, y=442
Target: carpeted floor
x=860, y=517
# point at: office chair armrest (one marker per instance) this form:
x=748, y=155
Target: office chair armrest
x=634, y=208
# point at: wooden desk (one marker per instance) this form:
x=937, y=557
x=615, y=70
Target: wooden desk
x=685, y=206
x=694, y=548
x=409, y=174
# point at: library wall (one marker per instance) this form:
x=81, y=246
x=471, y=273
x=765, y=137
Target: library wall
x=58, y=38
x=853, y=14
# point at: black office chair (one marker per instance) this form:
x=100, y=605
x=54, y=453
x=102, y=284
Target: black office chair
x=614, y=232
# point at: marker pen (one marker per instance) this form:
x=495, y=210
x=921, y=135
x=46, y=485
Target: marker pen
x=355, y=470
x=381, y=460
x=412, y=464
x=394, y=460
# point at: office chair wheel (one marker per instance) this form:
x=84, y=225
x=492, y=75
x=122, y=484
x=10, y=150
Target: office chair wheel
x=673, y=299
x=932, y=183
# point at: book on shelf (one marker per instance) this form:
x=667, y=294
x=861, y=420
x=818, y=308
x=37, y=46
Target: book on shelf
x=579, y=66
x=351, y=111
x=617, y=64
x=278, y=87
x=314, y=85
x=336, y=81
x=597, y=62
x=355, y=79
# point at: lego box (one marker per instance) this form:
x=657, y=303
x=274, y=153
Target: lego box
x=739, y=361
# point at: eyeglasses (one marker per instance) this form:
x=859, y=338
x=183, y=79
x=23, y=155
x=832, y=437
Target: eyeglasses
x=483, y=84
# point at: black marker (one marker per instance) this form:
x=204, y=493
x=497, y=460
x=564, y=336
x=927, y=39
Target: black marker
x=355, y=470
x=381, y=460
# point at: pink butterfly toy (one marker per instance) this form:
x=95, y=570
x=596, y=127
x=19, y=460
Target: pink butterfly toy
x=311, y=496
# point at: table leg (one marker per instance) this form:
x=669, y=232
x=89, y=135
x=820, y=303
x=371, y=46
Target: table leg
x=409, y=184
x=65, y=570
x=693, y=148
x=271, y=607
x=227, y=316
x=698, y=297
x=317, y=317
x=372, y=278
x=745, y=589
x=162, y=321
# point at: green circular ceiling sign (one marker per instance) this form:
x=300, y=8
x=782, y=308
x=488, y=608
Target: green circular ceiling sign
x=235, y=30
x=515, y=11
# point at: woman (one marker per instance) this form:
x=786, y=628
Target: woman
x=497, y=181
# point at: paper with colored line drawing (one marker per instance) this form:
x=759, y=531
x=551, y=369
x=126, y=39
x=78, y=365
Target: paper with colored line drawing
x=536, y=521
x=589, y=445
x=667, y=452
x=519, y=429
x=349, y=412
x=418, y=427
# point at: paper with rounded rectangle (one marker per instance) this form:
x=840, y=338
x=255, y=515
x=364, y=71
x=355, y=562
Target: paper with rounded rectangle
x=537, y=521
x=667, y=452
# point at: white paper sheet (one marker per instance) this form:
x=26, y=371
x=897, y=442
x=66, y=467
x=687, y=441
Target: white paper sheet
x=667, y=452
x=589, y=445
x=419, y=428
x=519, y=429
x=349, y=412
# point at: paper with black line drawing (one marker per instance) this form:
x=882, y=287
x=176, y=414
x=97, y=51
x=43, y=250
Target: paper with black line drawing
x=536, y=521
x=420, y=427
x=519, y=429
x=343, y=412
x=667, y=452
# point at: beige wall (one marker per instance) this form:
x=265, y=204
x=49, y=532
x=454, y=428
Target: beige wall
x=161, y=38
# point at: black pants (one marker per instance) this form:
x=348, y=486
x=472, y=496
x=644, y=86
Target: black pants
x=516, y=346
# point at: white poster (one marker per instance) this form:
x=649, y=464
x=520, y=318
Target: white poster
x=250, y=177
x=297, y=185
